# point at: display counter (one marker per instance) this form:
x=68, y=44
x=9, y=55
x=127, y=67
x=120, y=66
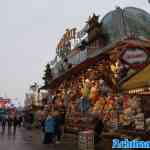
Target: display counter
x=76, y=122
x=130, y=134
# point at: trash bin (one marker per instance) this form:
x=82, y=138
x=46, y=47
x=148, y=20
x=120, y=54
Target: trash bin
x=86, y=140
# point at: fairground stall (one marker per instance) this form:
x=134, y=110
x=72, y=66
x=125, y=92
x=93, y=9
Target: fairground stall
x=106, y=73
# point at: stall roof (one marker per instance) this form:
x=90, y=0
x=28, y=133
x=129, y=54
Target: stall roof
x=141, y=79
x=98, y=54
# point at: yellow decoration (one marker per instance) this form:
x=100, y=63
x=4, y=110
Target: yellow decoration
x=139, y=80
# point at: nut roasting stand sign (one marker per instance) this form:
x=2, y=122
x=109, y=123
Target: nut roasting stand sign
x=64, y=45
x=136, y=58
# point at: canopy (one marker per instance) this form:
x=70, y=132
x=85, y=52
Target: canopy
x=140, y=80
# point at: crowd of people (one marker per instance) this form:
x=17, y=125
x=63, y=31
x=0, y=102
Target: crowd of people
x=11, y=122
x=52, y=125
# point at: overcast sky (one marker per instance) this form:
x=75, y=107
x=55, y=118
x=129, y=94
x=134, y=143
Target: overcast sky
x=29, y=32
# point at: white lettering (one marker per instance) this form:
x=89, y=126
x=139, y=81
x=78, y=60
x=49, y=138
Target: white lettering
x=133, y=56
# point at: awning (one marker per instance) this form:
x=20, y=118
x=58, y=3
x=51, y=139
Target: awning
x=141, y=79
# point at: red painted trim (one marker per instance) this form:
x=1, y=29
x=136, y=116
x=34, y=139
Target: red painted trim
x=135, y=66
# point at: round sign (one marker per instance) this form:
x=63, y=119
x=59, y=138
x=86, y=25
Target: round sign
x=135, y=57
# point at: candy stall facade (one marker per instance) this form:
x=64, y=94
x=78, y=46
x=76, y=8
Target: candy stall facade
x=99, y=74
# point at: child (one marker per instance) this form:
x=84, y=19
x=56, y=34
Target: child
x=49, y=129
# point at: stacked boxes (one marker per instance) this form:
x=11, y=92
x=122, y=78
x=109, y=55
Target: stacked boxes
x=139, y=121
x=148, y=124
x=86, y=140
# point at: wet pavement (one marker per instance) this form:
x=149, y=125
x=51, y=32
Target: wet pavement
x=32, y=140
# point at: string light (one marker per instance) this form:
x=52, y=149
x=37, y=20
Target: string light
x=139, y=91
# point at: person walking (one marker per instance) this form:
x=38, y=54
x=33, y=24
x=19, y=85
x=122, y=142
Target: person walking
x=98, y=128
x=3, y=123
x=49, y=129
x=9, y=122
x=20, y=120
x=58, y=123
x=15, y=123
x=43, y=125
x=43, y=128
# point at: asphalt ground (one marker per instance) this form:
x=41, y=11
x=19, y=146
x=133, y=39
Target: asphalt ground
x=32, y=140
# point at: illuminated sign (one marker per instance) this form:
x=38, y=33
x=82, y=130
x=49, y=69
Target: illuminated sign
x=64, y=45
x=69, y=35
x=70, y=39
x=3, y=103
x=135, y=57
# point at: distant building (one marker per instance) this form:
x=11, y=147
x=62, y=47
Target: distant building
x=28, y=101
x=35, y=96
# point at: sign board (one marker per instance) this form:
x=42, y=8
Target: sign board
x=64, y=45
x=135, y=57
x=70, y=39
x=3, y=103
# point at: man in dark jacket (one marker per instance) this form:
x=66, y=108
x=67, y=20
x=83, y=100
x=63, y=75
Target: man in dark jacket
x=99, y=126
x=20, y=120
x=15, y=123
x=9, y=121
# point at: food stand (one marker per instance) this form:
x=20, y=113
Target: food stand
x=102, y=83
